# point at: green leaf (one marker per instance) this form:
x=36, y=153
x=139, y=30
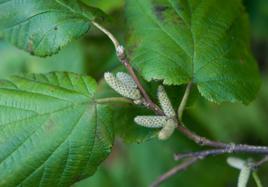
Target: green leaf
x=52, y=130
x=44, y=27
x=205, y=42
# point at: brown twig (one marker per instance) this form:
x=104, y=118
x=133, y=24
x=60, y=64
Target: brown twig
x=120, y=51
x=148, y=102
x=199, y=139
x=200, y=154
x=221, y=147
x=181, y=167
x=260, y=162
x=214, y=152
x=230, y=147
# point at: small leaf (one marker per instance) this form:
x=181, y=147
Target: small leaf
x=52, y=131
x=44, y=27
x=206, y=42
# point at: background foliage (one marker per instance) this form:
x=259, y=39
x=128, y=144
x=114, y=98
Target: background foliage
x=139, y=164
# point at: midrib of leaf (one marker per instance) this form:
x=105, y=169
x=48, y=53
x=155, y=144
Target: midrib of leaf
x=193, y=61
x=70, y=9
x=93, y=143
x=38, y=14
x=77, y=145
x=223, y=53
x=45, y=34
x=189, y=25
x=191, y=57
x=162, y=29
x=28, y=19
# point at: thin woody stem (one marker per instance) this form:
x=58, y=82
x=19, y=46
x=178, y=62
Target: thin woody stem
x=120, y=51
x=214, y=152
x=262, y=161
x=229, y=146
x=199, y=139
x=179, y=168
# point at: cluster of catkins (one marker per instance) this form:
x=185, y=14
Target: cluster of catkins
x=123, y=84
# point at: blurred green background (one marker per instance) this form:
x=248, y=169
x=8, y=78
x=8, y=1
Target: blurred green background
x=135, y=165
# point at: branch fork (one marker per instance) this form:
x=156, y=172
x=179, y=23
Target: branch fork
x=190, y=158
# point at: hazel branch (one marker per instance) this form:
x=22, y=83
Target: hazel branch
x=220, y=147
x=120, y=52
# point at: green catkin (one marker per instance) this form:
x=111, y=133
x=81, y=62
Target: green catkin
x=165, y=102
x=122, y=88
x=167, y=130
x=244, y=176
x=236, y=162
x=151, y=121
x=126, y=79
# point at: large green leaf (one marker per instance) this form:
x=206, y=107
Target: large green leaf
x=44, y=27
x=52, y=130
x=205, y=42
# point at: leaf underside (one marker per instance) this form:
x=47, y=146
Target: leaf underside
x=206, y=42
x=44, y=27
x=52, y=131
